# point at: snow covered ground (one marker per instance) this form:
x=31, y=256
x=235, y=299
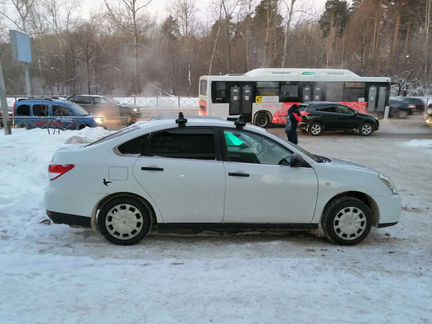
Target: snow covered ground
x=53, y=273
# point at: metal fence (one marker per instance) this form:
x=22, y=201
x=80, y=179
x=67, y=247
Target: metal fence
x=137, y=101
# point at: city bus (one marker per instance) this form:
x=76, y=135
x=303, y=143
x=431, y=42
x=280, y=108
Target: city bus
x=264, y=95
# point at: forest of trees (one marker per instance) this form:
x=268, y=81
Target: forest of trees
x=124, y=50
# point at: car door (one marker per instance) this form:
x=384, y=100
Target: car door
x=261, y=187
x=328, y=117
x=63, y=117
x=347, y=118
x=184, y=175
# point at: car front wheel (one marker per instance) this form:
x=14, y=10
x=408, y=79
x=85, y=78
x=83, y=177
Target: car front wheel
x=347, y=221
x=365, y=129
x=124, y=220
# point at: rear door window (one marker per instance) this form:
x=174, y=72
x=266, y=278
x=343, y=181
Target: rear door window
x=40, y=110
x=187, y=143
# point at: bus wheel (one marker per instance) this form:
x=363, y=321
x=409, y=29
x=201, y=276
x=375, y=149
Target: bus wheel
x=262, y=120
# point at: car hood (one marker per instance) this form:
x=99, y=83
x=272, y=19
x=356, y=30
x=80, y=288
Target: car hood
x=350, y=165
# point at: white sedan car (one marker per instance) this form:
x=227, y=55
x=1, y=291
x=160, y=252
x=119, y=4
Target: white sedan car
x=216, y=173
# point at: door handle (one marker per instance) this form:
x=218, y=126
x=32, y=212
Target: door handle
x=238, y=174
x=151, y=169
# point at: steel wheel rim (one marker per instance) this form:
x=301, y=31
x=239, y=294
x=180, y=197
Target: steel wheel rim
x=124, y=221
x=350, y=223
x=366, y=129
x=315, y=129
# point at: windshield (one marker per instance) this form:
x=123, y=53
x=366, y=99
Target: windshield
x=80, y=111
x=314, y=157
x=115, y=135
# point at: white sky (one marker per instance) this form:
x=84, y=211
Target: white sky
x=159, y=8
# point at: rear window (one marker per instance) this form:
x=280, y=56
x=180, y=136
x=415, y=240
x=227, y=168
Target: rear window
x=23, y=110
x=115, y=135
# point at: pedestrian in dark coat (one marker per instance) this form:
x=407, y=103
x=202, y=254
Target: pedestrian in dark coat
x=293, y=118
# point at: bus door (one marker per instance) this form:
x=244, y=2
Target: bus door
x=372, y=98
x=240, y=100
x=310, y=92
x=382, y=95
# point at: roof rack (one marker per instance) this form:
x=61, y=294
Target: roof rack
x=240, y=122
x=181, y=121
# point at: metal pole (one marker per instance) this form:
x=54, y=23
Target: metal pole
x=3, y=102
x=27, y=79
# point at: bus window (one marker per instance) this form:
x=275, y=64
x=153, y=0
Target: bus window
x=334, y=91
x=288, y=91
x=267, y=88
x=219, y=92
x=354, y=91
x=203, y=87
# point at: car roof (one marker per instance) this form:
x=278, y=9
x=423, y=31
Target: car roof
x=165, y=122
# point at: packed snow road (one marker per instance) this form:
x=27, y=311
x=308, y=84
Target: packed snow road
x=53, y=273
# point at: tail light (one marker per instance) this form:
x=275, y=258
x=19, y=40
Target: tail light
x=57, y=170
x=411, y=106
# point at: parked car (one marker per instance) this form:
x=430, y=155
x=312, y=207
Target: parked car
x=402, y=107
x=44, y=113
x=112, y=112
x=206, y=170
x=332, y=116
x=417, y=105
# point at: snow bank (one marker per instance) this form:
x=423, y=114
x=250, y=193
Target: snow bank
x=24, y=159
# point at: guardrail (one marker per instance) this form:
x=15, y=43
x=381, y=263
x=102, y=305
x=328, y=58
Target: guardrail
x=137, y=101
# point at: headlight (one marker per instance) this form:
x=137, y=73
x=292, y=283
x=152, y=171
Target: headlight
x=135, y=109
x=98, y=120
x=389, y=183
x=429, y=111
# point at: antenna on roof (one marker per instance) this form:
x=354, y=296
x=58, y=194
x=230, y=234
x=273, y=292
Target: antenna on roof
x=240, y=122
x=181, y=121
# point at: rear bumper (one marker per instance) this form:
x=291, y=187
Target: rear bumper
x=68, y=219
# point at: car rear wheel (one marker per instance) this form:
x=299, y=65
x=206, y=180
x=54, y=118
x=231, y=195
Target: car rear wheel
x=347, y=221
x=365, y=129
x=124, y=220
x=315, y=129
x=262, y=120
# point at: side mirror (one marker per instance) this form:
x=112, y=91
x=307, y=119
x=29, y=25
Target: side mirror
x=297, y=161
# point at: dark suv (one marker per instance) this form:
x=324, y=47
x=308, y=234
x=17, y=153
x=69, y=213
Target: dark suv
x=332, y=116
x=108, y=110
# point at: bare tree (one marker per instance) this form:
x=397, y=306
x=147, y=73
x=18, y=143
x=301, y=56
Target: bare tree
x=129, y=22
x=23, y=8
x=184, y=12
x=290, y=12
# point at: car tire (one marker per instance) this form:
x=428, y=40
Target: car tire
x=365, y=129
x=262, y=120
x=401, y=113
x=346, y=221
x=125, y=220
x=315, y=128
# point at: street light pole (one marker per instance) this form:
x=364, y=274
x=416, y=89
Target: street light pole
x=3, y=102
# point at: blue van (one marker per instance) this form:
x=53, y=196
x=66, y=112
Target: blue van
x=51, y=113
